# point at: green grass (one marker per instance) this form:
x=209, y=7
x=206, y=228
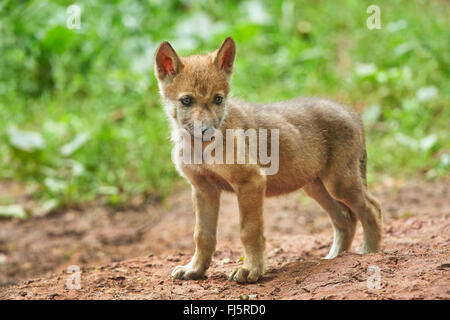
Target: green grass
x=97, y=83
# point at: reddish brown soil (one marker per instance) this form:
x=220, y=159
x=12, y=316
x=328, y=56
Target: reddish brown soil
x=130, y=254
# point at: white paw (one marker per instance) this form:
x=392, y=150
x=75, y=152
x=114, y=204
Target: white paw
x=188, y=272
x=245, y=275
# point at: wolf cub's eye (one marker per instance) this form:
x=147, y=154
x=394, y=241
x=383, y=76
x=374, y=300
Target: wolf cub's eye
x=218, y=100
x=186, y=101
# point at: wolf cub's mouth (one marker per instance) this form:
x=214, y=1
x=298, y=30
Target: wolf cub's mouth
x=206, y=136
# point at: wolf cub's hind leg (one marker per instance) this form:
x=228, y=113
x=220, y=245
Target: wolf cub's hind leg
x=351, y=191
x=343, y=220
x=206, y=200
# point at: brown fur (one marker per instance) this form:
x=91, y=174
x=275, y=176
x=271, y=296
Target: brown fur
x=321, y=149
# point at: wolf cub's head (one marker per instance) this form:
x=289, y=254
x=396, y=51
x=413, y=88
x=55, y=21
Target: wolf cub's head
x=195, y=88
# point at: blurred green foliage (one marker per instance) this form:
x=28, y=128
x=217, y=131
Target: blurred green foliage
x=80, y=114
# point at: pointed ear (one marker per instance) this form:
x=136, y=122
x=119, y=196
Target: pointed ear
x=167, y=62
x=225, y=56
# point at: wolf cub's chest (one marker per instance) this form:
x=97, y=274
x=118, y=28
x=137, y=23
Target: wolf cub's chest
x=209, y=173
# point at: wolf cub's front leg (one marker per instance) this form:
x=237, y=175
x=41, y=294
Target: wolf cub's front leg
x=206, y=199
x=250, y=198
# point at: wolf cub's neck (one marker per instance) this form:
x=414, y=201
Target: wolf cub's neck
x=237, y=115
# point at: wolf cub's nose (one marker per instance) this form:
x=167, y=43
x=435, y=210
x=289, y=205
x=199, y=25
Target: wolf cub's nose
x=206, y=128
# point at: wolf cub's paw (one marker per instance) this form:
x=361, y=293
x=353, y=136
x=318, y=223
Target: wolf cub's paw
x=187, y=272
x=245, y=274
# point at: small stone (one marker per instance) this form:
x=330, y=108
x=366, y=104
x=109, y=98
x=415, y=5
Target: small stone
x=444, y=266
x=170, y=259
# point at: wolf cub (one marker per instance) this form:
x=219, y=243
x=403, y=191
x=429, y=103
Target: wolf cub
x=319, y=147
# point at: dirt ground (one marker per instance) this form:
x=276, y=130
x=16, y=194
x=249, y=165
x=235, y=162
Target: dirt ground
x=130, y=253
